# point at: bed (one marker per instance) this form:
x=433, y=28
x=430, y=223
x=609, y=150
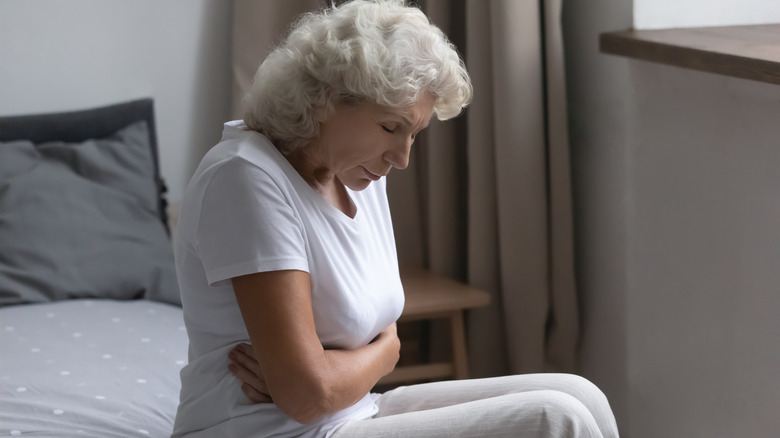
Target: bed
x=91, y=330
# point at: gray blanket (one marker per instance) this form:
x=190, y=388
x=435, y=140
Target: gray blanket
x=90, y=368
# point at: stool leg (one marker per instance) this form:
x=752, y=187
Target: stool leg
x=459, y=356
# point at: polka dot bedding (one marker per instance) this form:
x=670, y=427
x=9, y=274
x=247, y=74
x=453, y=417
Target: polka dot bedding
x=90, y=368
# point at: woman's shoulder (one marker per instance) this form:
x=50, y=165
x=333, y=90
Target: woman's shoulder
x=243, y=153
x=241, y=144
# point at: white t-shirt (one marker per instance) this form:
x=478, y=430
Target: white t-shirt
x=247, y=210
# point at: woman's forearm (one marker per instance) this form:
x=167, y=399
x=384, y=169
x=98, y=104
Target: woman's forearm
x=355, y=372
x=345, y=377
x=302, y=378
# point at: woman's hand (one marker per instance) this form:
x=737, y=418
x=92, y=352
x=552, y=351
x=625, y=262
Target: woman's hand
x=390, y=337
x=305, y=380
x=246, y=368
x=390, y=332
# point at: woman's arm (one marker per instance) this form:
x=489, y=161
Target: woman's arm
x=303, y=379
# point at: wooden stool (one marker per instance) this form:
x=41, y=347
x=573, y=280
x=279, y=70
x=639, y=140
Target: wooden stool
x=432, y=296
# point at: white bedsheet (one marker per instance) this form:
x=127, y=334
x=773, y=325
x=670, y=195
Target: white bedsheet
x=90, y=368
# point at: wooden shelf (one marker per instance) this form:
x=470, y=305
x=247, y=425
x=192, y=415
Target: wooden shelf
x=432, y=296
x=747, y=52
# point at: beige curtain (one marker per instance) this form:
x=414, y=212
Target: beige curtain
x=487, y=197
x=258, y=26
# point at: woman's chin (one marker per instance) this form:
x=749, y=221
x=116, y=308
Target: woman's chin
x=359, y=184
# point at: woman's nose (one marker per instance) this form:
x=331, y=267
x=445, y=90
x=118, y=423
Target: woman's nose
x=398, y=156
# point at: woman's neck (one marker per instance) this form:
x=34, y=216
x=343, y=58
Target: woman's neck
x=321, y=179
x=311, y=167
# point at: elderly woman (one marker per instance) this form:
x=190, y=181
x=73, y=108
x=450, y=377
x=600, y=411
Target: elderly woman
x=285, y=242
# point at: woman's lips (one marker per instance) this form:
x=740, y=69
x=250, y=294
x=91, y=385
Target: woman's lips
x=372, y=176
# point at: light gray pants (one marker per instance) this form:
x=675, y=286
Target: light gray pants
x=529, y=405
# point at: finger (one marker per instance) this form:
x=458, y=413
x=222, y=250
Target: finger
x=247, y=349
x=248, y=378
x=246, y=361
x=252, y=386
x=255, y=395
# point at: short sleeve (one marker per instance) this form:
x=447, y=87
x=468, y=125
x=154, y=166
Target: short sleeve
x=247, y=225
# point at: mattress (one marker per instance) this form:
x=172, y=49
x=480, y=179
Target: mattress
x=90, y=368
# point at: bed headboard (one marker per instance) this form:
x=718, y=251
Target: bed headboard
x=81, y=125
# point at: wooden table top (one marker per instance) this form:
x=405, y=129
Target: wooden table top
x=748, y=52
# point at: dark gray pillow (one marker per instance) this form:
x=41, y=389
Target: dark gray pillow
x=81, y=220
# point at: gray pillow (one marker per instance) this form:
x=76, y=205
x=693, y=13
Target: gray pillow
x=80, y=220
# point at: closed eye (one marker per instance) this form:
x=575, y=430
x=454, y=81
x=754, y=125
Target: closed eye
x=392, y=131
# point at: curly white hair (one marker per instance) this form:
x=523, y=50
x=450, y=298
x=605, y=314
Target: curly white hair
x=379, y=50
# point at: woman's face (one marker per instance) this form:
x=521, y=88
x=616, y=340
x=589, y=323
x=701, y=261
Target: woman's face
x=359, y=143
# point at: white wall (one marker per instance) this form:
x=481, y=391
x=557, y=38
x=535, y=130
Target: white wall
x=677, y=204
x=704, y=301
x=660, y=14
x=62, y=55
